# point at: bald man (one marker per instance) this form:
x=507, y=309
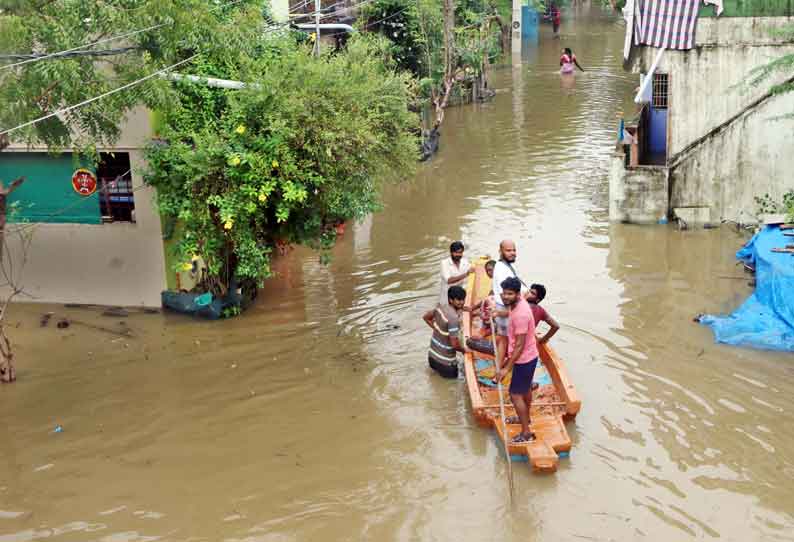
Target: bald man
x=502, y=270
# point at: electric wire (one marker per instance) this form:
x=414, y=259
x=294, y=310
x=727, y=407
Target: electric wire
x=104, y=40
x=95, y=98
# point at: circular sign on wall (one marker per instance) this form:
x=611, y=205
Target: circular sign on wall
x=84, y=182
x=516, y=24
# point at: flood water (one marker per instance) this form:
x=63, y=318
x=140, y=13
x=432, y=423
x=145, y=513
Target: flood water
x=314, y=416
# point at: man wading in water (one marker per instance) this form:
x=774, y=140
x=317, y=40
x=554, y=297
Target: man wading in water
x=522, y=357
x=444, y=320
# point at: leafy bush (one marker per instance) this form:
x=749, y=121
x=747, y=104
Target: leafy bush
x=766, y=204
x=306, y=145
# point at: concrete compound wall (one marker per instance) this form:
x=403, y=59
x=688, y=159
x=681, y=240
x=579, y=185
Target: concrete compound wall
x=107, y=264
x=753, y=156
x=638, y=195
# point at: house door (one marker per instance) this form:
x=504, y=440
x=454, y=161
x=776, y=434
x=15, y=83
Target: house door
x=657, y=119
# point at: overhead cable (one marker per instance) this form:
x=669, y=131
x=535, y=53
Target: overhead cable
x=95, y=98
x=104, y=40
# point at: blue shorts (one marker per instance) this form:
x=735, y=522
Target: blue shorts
x=523, y=373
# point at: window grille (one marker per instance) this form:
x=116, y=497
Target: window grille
x=116, y=198
x=661, y=89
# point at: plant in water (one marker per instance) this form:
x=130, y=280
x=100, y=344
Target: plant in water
x=766, y=204
x=788, y=205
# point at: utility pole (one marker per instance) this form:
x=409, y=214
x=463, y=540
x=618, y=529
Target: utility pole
x=516, y=33
x=317, y=27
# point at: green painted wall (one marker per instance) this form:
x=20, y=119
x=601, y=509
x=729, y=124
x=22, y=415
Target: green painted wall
x=751, y=8
x=47, y=194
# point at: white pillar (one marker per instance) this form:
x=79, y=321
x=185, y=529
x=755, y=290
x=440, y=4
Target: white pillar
x=516, y=34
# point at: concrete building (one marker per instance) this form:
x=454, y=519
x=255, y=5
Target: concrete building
x=279, y=10
x=705, y=143
x=99, y=242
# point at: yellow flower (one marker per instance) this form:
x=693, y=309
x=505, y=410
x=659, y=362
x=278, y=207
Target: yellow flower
x=312, y=37
x=228, y=225
x=234, y=160
x=275, y=163
x=263, y=197
x=187, y=266
x=240, y=129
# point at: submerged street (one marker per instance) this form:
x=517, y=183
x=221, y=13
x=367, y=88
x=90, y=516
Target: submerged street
x=314, y=416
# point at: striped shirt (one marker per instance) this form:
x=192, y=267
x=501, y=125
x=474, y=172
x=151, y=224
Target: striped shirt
x=446, y=324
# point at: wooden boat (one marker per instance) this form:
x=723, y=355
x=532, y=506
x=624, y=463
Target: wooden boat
x=553, y=402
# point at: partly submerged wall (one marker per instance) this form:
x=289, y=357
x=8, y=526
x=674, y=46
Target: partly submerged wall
x=120, y=263
x=638, y=195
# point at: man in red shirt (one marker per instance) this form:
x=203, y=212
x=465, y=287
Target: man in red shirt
x=522, y=356
x=537, y=292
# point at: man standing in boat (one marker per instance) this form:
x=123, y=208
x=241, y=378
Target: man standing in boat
x=444, y=320
x=502, y=270
x=537, y=293
x=454, y=270
x=522, y=357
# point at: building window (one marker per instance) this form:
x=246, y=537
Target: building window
x=660, y=91
x=116, y=199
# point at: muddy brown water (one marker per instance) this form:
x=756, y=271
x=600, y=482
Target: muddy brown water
x=314, y=416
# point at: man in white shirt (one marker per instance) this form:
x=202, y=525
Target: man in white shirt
x=503, y=270
x=454, y=271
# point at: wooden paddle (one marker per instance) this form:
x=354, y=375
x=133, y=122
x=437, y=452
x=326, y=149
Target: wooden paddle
x=502, y=415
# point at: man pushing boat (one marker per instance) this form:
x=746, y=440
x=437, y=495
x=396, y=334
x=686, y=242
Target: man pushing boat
x=444, y=320
x=522, y=356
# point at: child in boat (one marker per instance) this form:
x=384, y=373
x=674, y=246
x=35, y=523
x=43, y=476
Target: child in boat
x=568, y=61
x=537, y=293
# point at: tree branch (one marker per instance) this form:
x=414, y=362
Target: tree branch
x=11, y=187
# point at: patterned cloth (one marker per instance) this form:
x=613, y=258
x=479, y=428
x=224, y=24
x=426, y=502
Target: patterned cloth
x=667, y=24
x=446, y=324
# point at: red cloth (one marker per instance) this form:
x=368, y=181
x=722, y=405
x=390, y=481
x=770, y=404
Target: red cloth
x=539, y=314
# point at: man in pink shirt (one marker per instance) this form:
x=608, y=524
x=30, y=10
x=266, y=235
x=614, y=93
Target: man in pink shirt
x=522, y=356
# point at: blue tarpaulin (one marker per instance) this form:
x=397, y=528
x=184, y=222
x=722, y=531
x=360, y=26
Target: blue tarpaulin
x=766, y=319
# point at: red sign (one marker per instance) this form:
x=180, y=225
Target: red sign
x=84, y=182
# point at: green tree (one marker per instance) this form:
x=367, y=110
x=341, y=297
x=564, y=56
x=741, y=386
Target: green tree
x=782, y=65
x=29, y=89
x=304, y=146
